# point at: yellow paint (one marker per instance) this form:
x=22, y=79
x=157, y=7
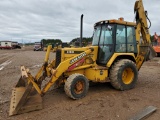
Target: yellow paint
x=96, y=74
x=51, y=64
x=115, y=55
x=127, y=76
x=47, y=53
x=139, y=61
x=81, y=71
x=117, y=22
x=39, y=73
x=63, y=66
x=65, y=56
x=31, y=79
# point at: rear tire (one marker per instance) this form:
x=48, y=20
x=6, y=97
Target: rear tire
x=123, y=74
x=76, y=86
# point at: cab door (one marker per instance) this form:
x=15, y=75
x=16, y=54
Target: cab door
x=106, y=44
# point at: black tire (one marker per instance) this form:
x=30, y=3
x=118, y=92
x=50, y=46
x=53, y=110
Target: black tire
x=70, y=86
x=117, y=71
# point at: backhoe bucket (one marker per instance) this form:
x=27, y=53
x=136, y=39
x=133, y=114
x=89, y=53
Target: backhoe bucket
x=24, y=96
x=150, y=54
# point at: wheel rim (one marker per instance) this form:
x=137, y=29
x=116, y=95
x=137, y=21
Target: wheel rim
x=79, y=87
x=127, y=76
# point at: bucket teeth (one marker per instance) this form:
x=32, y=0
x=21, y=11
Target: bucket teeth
x=24, y=97
x=23, y=100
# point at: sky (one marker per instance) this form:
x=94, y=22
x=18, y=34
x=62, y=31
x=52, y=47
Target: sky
x=33, y=20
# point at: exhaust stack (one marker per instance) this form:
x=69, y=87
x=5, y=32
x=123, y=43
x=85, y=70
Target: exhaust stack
x=81, y=31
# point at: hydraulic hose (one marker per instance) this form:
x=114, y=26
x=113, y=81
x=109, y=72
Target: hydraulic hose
x=138, y=20
x=148, y=19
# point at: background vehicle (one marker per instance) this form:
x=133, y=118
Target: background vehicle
x=115, y=56
x=156, y=44
x=9, y=45
x=6, y=45
x=37, y=46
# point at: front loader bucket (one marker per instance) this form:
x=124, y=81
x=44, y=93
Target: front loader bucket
x=24, y=97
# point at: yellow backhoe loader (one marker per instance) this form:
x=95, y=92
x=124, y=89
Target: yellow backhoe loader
x=116, y=55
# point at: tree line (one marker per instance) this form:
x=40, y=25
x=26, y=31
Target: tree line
x=46, y=42
x=86, y=41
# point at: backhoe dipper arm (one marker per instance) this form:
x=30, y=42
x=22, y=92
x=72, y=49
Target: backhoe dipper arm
x=145, y=49
x=141, y=20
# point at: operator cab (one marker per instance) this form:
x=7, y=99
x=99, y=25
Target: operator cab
x=114, y=36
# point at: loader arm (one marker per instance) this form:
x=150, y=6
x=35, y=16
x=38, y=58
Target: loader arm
x=26, y=96
x=63, y=66
x=48, y=70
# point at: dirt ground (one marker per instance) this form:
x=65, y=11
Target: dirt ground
x=102, y=102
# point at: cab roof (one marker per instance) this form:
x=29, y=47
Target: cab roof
x=114, y=21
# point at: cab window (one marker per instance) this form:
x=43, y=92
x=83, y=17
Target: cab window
x=120, y=39
x=96, y=35
x=106, y=46
x=131, y=41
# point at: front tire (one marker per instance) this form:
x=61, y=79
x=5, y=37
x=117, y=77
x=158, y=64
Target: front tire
x=123, y=74
x=76, y=86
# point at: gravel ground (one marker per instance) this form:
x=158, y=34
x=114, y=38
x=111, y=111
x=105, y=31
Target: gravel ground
x=102, y=101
